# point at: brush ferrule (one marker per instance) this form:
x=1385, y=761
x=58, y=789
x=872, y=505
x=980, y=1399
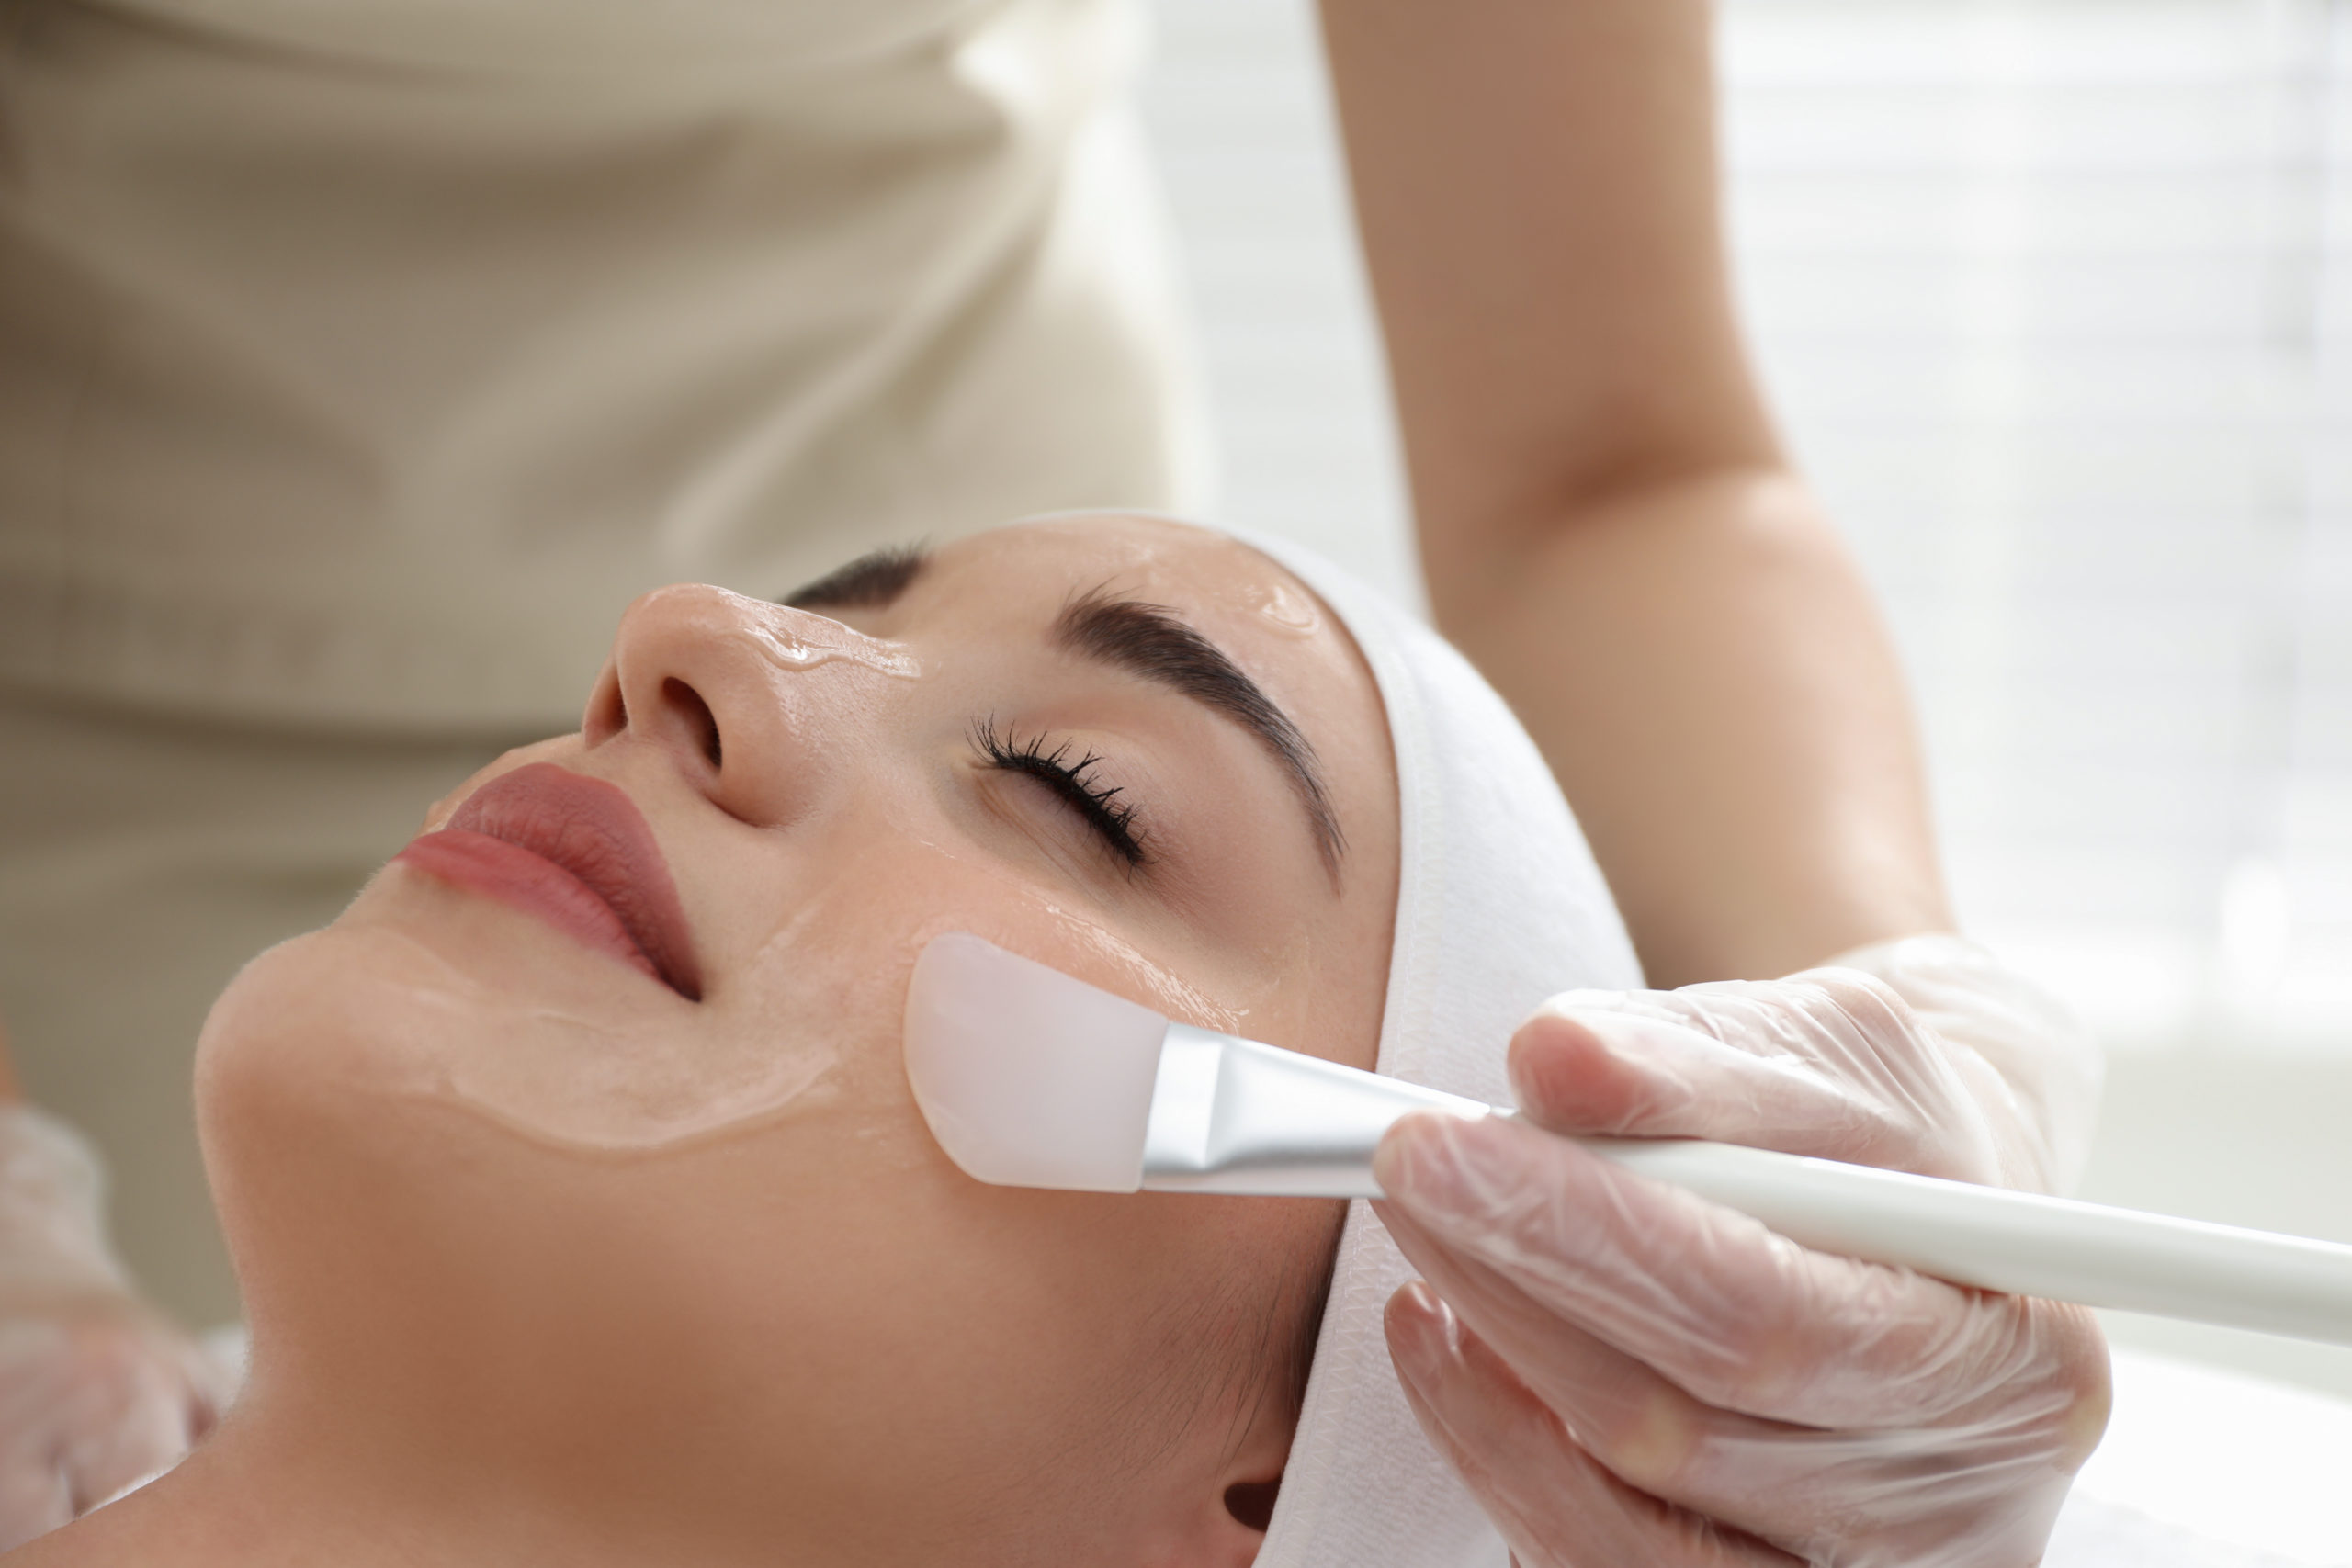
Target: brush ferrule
x=1231, y=1115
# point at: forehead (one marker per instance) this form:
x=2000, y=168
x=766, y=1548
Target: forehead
x=1268, y=621
x=1138, y=552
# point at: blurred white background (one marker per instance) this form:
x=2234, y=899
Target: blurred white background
x=2054, y=299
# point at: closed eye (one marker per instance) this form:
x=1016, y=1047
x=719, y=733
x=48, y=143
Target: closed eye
x=1073, y=775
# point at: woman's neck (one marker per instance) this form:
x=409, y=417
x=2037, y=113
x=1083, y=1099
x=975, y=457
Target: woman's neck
x=267, y=1493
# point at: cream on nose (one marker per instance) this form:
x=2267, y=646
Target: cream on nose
x=717, y=682
x=798, y=639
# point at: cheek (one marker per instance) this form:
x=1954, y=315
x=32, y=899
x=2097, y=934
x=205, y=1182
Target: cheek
x=836, y=938
x=1063, y=1348
x=798, y=1231
x=446, y=997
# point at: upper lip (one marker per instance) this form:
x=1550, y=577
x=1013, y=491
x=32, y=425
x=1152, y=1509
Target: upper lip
x=593, y=830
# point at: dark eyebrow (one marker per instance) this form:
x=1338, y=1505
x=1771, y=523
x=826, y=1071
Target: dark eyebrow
x=1149, y=640
x=873, y=581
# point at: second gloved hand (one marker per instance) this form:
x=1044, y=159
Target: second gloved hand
x=97, y=1390
x=1623, y=1372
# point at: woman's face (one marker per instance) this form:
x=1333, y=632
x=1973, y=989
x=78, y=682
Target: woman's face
x=610, y=1177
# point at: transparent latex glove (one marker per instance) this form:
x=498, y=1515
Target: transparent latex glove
x=97, y=1390
x=1625, y=1373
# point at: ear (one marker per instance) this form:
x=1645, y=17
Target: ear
x=1222, y=1522
x=1224, y=1529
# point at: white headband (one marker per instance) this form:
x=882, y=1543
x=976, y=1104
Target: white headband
x=1498, y=906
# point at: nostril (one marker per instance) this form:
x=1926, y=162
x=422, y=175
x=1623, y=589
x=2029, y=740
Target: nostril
x=688, y=705
x=607, y=713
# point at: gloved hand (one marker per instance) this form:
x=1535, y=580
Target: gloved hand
x=1625, y=1373
x=97, y=1390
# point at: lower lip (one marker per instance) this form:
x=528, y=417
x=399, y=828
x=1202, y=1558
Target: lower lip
x=529, y=883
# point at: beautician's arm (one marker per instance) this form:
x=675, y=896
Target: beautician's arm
x=1608, y=525
x=1611, y=530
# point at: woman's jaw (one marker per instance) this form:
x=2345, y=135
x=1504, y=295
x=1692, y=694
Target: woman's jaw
x=490, y=1174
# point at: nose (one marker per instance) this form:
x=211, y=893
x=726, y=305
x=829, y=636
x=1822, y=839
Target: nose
x=719, y=684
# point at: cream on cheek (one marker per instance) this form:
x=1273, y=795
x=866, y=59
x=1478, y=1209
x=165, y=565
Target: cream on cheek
x=401, y=1014
x=1029, y=917
x=483, y=1008
x=476, y=1006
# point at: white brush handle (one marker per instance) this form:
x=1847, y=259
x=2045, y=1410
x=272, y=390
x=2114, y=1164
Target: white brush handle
x=1231, y=1115
x=2020, y=1243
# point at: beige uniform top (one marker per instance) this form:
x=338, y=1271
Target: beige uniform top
x=359, y=359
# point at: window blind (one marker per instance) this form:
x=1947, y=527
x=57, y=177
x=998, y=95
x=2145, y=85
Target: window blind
x=2052, y=299
x=2050, y=296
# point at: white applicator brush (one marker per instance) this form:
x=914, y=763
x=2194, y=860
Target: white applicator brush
x=1031, y=1078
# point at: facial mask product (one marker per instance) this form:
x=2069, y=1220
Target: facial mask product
x=783, y=648
x=1286, y=609
x=562, y=1077
x=1030, y=1078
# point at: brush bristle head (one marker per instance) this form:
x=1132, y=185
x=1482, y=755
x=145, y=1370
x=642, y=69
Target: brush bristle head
x=1028, y=1078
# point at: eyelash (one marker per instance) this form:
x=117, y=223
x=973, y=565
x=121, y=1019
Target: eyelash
x=1098, y=804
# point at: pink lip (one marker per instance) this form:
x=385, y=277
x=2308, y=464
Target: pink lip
x=576, y=852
